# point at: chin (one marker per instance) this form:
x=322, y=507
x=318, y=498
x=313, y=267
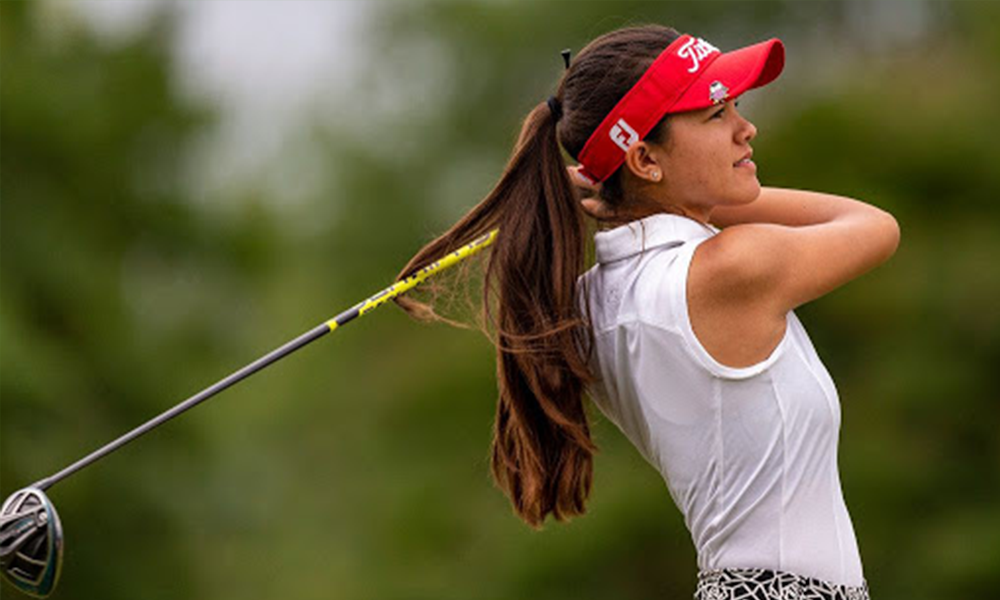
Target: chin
x=746, y=194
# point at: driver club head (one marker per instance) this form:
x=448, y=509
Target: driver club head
x=31, y=542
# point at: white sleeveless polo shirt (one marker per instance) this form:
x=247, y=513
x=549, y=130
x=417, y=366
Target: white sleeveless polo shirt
x=749, y=455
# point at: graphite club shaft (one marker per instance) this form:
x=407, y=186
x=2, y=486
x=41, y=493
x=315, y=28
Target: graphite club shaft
x=270, y=358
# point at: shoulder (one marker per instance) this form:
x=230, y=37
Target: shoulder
x=734, y=310
x=787, y=266
x=739, y=263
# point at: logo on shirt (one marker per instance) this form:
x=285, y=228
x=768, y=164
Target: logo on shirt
x=623, y=135
x=696, y=49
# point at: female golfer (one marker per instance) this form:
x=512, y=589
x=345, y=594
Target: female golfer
x=683, y=331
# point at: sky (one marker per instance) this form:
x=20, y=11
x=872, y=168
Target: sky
x=276, y=69
x=271, y=68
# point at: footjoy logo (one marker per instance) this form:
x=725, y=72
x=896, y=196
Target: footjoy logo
x=696, y=49
x=623, y=135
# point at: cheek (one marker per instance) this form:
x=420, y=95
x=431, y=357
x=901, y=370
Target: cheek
x=701, y=175
x=704, y=170
x=700, y=170
x=692, y=167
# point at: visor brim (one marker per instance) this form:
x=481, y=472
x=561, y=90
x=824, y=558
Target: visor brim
x=732, y=74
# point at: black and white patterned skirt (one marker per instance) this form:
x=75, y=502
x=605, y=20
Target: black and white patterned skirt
x=765, y=584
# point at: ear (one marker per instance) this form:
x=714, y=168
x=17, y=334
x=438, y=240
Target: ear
x=644, y=162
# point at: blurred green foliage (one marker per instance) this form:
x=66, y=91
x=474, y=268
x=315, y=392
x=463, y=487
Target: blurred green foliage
x=359, y=468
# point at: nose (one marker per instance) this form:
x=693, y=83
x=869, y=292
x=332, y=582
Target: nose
x=747, y=132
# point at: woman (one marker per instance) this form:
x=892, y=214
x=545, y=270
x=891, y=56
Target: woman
x=682, y=332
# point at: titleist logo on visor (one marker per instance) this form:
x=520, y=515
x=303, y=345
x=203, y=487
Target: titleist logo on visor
x=696, y=49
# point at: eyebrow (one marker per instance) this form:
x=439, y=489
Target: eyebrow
x=714, y=111
x=721, y=107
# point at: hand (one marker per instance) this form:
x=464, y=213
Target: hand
x=589, y=194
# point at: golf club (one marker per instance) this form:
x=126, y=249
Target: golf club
x=31, y=539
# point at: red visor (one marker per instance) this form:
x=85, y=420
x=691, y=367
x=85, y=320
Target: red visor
x=688, y=75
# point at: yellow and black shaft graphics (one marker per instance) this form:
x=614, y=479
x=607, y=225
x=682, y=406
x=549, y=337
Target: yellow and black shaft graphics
x=404, y=285
x=270, y=358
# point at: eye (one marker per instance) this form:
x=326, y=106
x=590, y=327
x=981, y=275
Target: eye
x=718, y=114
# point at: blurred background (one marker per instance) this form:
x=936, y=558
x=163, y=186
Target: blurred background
x=187, y=185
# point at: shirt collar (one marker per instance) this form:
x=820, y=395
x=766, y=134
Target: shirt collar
x=661, y=229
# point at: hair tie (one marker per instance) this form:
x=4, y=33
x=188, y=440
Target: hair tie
x=555, y=106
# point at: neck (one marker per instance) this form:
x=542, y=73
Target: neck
x=624, y=218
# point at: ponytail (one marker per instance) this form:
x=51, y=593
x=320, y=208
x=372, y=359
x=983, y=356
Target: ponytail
x=542, y=453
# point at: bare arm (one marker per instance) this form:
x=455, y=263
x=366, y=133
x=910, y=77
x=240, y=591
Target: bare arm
x=794, y=208
x=784, y=249
x=791, y=246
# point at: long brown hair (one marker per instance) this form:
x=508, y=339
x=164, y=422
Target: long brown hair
x=542, y=453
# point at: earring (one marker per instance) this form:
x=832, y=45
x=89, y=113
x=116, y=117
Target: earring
x=656, y=175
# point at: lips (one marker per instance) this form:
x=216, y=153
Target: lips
x=744, y=160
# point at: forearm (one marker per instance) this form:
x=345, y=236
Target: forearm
x=794, y=208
